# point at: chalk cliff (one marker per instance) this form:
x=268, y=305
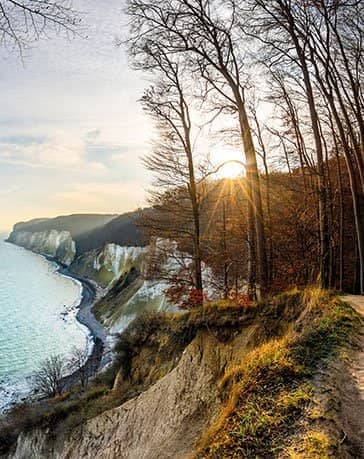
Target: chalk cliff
x=52, y=243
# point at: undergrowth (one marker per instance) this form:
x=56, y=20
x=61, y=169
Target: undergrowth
x=59, y=415
x=268, y=392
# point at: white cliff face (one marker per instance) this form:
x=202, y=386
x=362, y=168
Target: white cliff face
x=150, y=296
x=52, y=243
x=147, y=295
x=173, y=261
x=107, y=265
x=117, y=260
x=162, y=260
x=139, y=274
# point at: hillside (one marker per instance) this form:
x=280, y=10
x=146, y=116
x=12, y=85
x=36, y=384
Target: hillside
x=88, y=231
x=75, y=224
x=121, y=230
x=254, y=381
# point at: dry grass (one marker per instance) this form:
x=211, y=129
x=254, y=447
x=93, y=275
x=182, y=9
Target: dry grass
x=268, y=392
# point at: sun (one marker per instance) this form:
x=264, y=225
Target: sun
x=229, y=163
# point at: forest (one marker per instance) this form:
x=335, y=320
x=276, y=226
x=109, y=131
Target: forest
x=281, y=82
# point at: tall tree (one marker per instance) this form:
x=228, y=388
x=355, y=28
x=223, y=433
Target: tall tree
x=276, y=23
x=334, y=40
x=173, y=161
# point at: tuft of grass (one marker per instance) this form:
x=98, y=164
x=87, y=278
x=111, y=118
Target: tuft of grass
x=315, y=445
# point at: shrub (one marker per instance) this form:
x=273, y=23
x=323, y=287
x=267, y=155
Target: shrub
x=49, y=379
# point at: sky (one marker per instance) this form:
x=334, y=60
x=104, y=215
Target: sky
x=72, y=132
x=71, y=129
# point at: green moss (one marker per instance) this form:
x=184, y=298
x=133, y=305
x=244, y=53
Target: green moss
x=104, y=277
x=325, y=335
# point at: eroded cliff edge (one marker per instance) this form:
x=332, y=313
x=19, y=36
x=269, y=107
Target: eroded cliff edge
x=218, y=382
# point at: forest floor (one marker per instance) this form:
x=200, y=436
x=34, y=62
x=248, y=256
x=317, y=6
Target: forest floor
x=357, y=370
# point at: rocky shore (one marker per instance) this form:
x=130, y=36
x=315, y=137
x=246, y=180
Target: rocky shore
x=100, y=354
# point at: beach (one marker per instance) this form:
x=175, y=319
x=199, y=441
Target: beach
x=100, y=354
x=38, y=312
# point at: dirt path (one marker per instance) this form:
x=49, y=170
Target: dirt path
x=357, y=301
x=355, y=399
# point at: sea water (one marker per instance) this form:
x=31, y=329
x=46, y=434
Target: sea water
x=38, y=309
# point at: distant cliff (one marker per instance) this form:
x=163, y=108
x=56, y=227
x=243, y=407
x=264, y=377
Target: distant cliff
x=89, y=231
x=56, y=244
x=122, y=230
x=101, y=248
x=75, y=224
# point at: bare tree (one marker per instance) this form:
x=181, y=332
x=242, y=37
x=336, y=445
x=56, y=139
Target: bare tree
x=312, y=57
x=49, y=379
x=263, y=154
x=79, y=364
x=319, y=47
x=335, y=45
x=173, y=159
x=25, y=22
x=276, y=23
x=176, y=194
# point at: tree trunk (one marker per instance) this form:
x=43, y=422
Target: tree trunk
x=192, y=188
x=357, y=197
x=322, y=196
x=255, y=209
x=357, y=190
x=224, y=244
x=341, y=221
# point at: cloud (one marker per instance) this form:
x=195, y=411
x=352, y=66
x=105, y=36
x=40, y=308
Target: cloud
x=71, y=117
x=9, y=190
x=21, y=139
x=60, y=151
x=92, y=135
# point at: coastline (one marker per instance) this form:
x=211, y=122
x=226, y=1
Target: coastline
x=84, y=314
x=88, y=297
x=99, y=354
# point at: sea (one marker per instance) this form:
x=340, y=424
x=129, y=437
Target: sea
x=38, y=308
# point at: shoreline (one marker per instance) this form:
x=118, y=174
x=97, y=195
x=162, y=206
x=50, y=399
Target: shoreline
x=99, y=355
x=84, y=314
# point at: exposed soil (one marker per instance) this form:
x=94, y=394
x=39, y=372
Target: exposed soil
x=353, y=390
